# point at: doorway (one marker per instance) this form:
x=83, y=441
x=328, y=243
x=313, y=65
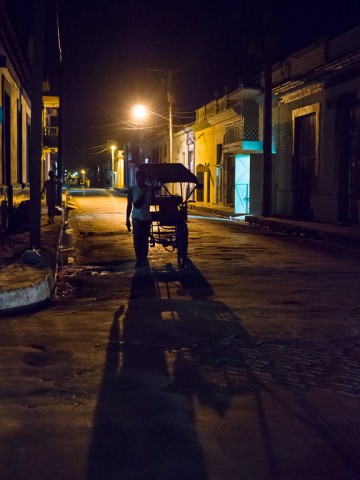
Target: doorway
x=354, y=165
x=242, y=184
x=303, y=177
x=6, y=135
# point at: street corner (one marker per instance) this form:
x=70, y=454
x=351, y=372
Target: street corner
x=24, y=286
x=33, y=258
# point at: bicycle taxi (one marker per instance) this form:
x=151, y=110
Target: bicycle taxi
x=174, y=185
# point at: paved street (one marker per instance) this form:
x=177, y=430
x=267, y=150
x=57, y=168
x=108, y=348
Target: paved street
x=243, y=366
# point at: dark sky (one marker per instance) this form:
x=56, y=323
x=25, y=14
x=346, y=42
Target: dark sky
x=108, y=46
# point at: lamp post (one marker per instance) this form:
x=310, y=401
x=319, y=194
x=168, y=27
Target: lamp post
x=140, y=112
x=267, y=123
x=171, y=136
x=170, y=100
x=113, y=147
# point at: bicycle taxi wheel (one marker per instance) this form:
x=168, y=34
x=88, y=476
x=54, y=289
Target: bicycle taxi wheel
x=182, y=241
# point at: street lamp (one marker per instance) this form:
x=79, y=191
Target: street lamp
x=113, y=147
x=140, y=112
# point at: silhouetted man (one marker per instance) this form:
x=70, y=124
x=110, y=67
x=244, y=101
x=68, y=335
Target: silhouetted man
x=139, y=201
x=50, y=187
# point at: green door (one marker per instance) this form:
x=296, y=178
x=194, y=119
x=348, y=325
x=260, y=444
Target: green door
x=242, y=184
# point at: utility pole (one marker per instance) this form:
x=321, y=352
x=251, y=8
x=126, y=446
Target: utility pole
x=171, y=101
x=36, y=123
x=267, y=119
x=60, y=163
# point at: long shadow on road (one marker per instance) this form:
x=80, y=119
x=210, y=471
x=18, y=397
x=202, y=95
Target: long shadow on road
x=159, y=350
x=144, y=426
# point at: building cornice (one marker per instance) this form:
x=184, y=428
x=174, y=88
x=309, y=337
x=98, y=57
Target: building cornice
x=298, y=93
x=202, y=125
x=225, y=116
x=309, y=82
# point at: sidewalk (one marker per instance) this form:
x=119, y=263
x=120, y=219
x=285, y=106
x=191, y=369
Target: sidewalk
x=344, y=236
x=27, y=278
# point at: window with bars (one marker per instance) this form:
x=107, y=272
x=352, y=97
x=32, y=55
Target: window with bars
x=242, y=129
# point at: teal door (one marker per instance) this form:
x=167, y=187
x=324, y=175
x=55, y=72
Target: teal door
x=242, y=184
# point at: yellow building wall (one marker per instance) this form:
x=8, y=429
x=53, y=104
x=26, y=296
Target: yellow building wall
x=15, y=99
x=119, y=168
x=204, y=156
x=26, y=114
x=2, y=180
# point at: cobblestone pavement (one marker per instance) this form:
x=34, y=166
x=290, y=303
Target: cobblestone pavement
x=331, y=366
x=234, y=360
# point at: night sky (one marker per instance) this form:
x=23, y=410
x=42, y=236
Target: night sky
x=109, y=46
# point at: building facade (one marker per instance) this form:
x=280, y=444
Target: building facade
x=50, y=122
x=15, y=119
x=315, y=139
x=227, y=151
x=316, y=128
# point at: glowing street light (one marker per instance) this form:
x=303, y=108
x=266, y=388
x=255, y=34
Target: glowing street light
x=140, y=112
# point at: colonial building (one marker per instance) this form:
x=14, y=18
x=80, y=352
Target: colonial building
x=316, y=128
x=227, y=147
x=50, y=122
x=222, y=148
x=315, y=139
x=15, y=113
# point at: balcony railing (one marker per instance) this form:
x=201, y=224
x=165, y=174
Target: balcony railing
x=242, y=129
x=51, y=137
x=51, y=131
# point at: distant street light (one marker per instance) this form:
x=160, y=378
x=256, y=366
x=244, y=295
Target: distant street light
x=113, y=148
x=140, y=112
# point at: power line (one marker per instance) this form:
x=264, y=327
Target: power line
x=58, y=33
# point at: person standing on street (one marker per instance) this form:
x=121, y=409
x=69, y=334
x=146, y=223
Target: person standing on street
x=50, y=188
x=138, y=203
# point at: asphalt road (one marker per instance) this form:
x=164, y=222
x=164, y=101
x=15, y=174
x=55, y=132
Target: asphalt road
x=243, y=366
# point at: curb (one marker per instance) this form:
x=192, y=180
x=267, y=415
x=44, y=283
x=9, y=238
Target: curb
x=30, y=295
x=329, y=234
x=211, y=211
x=34, y=279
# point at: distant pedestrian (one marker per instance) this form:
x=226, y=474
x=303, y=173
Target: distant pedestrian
x=139, y=201
x=50, y=189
